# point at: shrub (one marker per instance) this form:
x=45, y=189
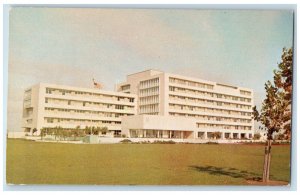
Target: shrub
x=164, y=142
x=125, y=141
x=256, y=136
x=212, y=143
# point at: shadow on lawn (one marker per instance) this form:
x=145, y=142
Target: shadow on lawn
x=231, y=172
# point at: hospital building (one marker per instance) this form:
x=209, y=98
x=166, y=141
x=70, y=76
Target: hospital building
x=148, y=104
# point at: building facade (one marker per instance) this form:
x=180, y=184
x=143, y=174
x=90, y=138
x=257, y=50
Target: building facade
x=215, y=107
x=149, y=104
x=49, y=106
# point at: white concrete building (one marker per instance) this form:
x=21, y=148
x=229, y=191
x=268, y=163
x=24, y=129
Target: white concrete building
x=48, y=106
x=215, y=107
x=150, y=104
x=155, y=126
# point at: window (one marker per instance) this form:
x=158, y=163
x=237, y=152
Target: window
x=108, y=115
x=49, y=91
x=49, y=120
x=211, y=94
x=125, y=87
x=209, y=86
x=120, y=107
x=46, y=100
x=69, y=102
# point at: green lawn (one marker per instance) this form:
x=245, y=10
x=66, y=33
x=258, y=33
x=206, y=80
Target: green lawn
x=30, y=162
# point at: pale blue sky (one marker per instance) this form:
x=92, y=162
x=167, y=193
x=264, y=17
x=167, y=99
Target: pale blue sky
x=70, y=46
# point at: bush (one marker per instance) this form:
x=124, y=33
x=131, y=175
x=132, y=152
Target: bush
x=212, y=143
x=125, y=141
x=164, y=142
x=256, y=136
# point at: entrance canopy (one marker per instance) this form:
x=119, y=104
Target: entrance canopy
x=157, y=122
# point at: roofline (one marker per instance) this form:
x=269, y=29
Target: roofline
x=145, y=71
x=90, y=90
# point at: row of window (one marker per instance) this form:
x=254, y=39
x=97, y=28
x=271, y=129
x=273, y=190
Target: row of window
x=66, y=120
x=101, y=96
x=125, y=87
x=149, y=83
x=87, y=104
x=202, y=108
x=151, y=108
x=190, y=83
x=149, y=99
x=213, y=118
x=221, y=111
x=243, y=92
x=209, y=94
x=149, y=91
x=229, y=127
x=98, y=113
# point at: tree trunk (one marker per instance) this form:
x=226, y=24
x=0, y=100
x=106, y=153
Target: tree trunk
x=267, y=161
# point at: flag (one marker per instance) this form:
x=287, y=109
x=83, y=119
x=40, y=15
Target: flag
x=97, y=85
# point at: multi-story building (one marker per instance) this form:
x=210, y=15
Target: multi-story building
x=215, y=107
x=168, y=105
x=48, y=106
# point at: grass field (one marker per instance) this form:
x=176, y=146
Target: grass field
x=30, y=162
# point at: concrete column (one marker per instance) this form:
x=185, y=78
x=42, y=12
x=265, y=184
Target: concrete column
x=222, y=135
x=165, y=134
x=205, y=135
x=195, y=134
x=145, y=134
x=239, y=136
x=157, y=133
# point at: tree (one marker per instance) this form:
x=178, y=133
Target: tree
x=34, y=130
x=58, y=132
x=103, y=130
x=76, y=132
x=275, y=114
x=216, y=135
x=88, y=130
x=95, y=131
x=283, y=79
x=43, y=133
